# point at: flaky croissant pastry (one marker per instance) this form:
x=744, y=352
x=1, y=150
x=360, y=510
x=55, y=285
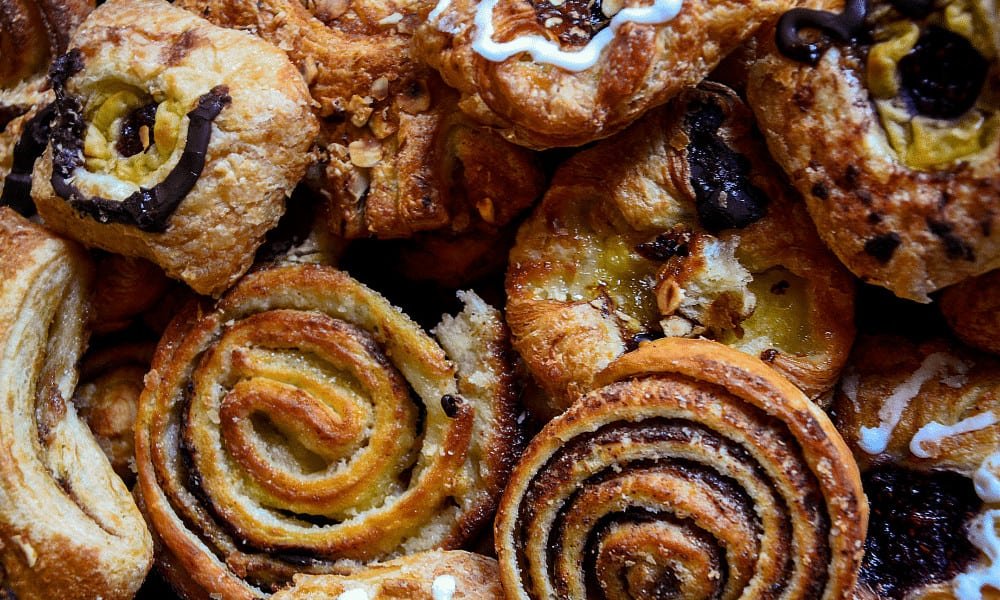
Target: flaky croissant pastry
x=33, y=32
x=304, y=425
x=690, y=471
x=677, y=227
x=68, y=526
x=173, y=140
x=886, y=117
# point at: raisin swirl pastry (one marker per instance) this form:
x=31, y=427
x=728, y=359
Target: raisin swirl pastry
x=433, y=575
x=398, y=157
x=923, y=422
x=68, y=526
x=885, y=116
x=691, y=471
x=173, y=140
x=677, y=227
x=972, y=310
x=33, y=32
x=304, y=425
x=566, y=73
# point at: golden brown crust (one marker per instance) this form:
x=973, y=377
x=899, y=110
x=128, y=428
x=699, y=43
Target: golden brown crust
x=398, y=157
x=540, y=105
x=617, y=252
x=256, y=153
x=421, y=576
x=688, y=450
x=68, y=526
x=972, y=309
x=910, y=230
x=356, y=466
x=33, y=32
x=126, y=286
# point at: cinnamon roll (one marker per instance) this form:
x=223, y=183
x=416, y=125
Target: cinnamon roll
x=678, y=227
x=922, y=421
x=68, y=526
x=33, y=32
x=453, y=575
x=304, y=425
x=565, y=73
x=972, y=310
x=174, y=140
x=691, y=471
x=886, y=117
x=397, y=156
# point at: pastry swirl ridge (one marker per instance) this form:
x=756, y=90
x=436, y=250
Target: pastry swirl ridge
x=694, y=470
x=68, y=526
x=305, y=421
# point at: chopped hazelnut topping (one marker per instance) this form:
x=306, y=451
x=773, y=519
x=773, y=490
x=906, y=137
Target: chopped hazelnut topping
x=365, y=153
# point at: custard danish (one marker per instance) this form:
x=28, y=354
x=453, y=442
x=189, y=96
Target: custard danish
x=68, y=526
x=304, y=425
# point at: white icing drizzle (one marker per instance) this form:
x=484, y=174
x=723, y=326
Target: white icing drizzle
x=443, y=587
x=983, y=535
x=875, y=440
x=849, y=384
x=986, y=480
x=934, y=431
x=354, y=594
x=546, y=51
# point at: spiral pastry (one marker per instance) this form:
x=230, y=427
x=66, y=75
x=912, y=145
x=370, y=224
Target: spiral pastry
x=33, y=32
x=26, y=113
x=678, y=227
x=174, y=140
x=565, y=73
x=68, y=526
x=923, y=421
x=305, y=425
x=693, y=471
x=434, y=575
x=398, y=157
x=972, y=309
x=885, y=116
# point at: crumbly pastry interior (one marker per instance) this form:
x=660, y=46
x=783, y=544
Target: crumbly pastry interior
x=499, y=299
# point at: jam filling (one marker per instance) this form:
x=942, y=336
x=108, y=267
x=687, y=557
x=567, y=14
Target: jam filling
x=574, y=22
x=917, y=528
x=943, y=75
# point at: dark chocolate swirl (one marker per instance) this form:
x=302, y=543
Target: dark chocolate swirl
x=844, y=27
x=148, y=209
x=17, y=185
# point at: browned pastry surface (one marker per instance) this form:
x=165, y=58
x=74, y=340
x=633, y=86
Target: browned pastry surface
x=972, y=309
x=678, y=227
x=540, y=105
x=692, y=471
x=895, y=143
x=433, y=575
x=306, y=425
x=33, y=32
x=398, y=157
x=125, y=288
x=920, y=419
x=147, y=75
x=68, y=526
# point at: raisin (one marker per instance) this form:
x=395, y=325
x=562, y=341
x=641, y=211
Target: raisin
x=129, y=141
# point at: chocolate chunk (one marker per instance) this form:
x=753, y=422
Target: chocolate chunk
x=845, y=27
x=916, y=531
x=130, y=142
x=943, y=75
x=724, y=195
x=882, y=247
x=451, y=405
x=665, y=246
x=954, y=246
x=574, y=22
x=17, y=185
x=820, y=191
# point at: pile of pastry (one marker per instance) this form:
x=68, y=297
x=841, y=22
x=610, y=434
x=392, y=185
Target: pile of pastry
x=499, y=299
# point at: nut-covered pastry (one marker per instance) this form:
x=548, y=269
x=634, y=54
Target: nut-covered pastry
x=886, y=116
x=678, y=227
x=691, y=471
x=304, y=425
x=398, y=157
x=565, y=73
x=972, y=310
x=923, y=422
x=174, y=140
x=68, y=526
x=434, y=575
x=33, y=32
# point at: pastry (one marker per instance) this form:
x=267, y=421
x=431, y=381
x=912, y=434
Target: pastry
x=922, y=421
x=691, y=471
x=677, y=227
x=434, y=575
x=111, y=380
x=125, y=288
x=972, y=309
x=886, y=119
x=398, y=157
x=68, y=526
x=566, y=73
x=33, y=32
x=304, y=425
x=155, y=155
x=26, y=113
